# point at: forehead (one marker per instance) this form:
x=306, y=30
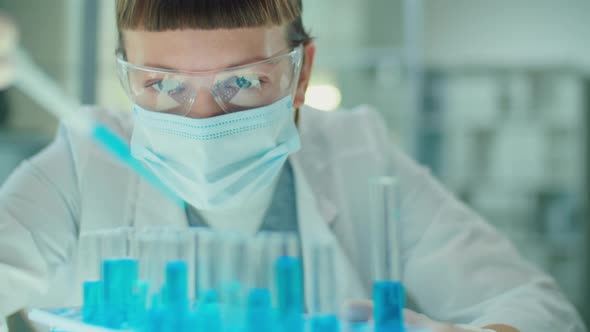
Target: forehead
x=203, y=50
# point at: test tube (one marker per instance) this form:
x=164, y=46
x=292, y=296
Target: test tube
x=289, y=288
x=276, y=245
x=155, y=247
x=175, y=296
x=96, y=246
x=259, y=312
x=388, y=292
x=207, y=275
x=235, y=280
x=259, y=315
x=208, y=316
x=324, y=302
x=233, y=260
x=93, y=306
x=138, y=310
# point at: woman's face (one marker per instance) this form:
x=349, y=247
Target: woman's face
x=210, y=50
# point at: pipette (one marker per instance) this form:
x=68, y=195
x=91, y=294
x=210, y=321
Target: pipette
x=32, y=81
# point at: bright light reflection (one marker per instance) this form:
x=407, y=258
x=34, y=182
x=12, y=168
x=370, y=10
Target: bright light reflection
x=325, y=97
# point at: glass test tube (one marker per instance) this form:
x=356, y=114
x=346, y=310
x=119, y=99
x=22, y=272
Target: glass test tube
x=325, y=301
x=234, y=273
x=206, y=271
x=105, y=291
x=388, y=293
x=288, y=277
x=119, y=277
x=93, y=304
x=276, y=245
x=385, y=229
x=259, y=307
x=233, y=267
x=155, y=247
x=96, y=246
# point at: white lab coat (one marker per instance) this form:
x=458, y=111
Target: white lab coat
x=455, y=266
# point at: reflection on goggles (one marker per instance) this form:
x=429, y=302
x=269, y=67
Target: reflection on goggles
x=235, y=89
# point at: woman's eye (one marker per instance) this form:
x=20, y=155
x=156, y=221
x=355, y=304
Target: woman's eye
x=166, y=86
x=245, y=82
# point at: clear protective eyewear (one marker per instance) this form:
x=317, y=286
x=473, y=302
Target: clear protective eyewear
x=234, y=89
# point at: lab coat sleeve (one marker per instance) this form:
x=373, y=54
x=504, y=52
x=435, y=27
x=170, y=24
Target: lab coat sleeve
x=38, y=209
x=457, y=268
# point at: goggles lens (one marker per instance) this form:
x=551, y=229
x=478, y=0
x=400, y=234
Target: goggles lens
x=235, y=89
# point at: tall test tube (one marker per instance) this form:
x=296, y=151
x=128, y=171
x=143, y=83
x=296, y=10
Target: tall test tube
x=324, y=283
x=388, y=291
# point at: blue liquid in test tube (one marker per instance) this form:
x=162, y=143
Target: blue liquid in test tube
x=325, y=323
x=207, y=315
x=138, y=308
x=176, y=295
x=289, y=282
x=388, y=298
x=211, y=317
x=119, y=277
x=93, y=307
x=156, y=315
x=259, y=316
x=234, y=308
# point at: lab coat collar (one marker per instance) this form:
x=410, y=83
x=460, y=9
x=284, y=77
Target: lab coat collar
x=308, y=158
x=313, y=230
x=155, y=209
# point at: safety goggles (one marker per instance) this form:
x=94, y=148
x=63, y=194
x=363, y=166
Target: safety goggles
x=234, y=89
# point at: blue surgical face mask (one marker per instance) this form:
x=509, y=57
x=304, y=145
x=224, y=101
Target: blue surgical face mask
x=219, y=162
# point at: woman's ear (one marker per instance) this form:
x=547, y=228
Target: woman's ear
x=308, y=57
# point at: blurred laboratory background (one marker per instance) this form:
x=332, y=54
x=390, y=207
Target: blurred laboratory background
x=492, y=95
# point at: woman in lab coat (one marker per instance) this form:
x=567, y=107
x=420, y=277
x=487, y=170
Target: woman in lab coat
x=198, y=74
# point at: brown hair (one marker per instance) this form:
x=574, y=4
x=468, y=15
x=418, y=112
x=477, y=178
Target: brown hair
x=162, y=15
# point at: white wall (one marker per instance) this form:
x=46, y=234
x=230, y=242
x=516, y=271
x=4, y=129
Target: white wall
x=43, y=27
x=513, y=31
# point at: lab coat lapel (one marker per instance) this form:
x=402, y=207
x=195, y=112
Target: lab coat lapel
x=314, y=228
x=156, y=209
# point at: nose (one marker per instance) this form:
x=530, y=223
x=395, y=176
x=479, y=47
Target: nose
x=205, y=106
